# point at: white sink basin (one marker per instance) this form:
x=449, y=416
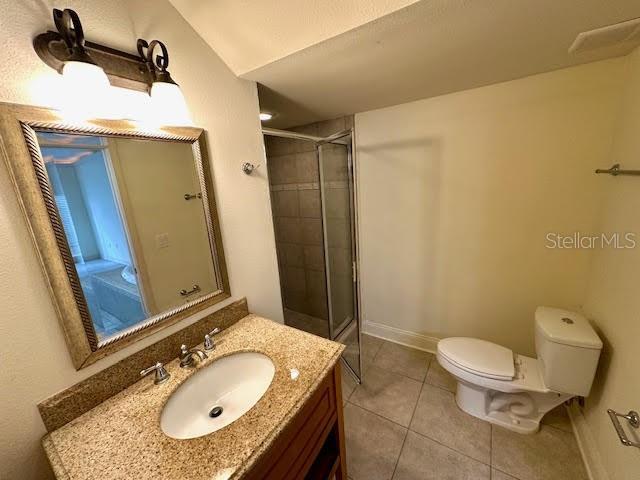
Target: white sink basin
x=234, y=383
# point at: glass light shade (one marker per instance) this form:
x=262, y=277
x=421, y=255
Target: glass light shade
x=86, y=92
x=87, y=74
x=169, y=104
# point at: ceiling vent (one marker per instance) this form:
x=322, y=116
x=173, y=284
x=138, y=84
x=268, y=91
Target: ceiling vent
x=625, y=35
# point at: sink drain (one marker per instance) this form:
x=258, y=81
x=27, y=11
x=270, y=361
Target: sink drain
x=215, y=412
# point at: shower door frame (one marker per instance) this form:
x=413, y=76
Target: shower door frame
x=355, y=264
x=353, y=203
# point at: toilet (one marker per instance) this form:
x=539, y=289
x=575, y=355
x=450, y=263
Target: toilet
x=515, y=391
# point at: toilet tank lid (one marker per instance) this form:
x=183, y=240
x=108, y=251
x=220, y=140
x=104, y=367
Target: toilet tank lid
x=566, y=328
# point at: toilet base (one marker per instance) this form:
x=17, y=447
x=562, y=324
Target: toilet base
x=520, y=412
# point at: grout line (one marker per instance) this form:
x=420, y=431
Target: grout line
x=377, y=415
x=490, y=449
x=422, y=434
x=397, y=373
x=375, y=355
x=506, y=473
x=346, y=400
x=424, y=382
x=406, y=434
x=395, y=466
x=431, y=359
x=554, y=427
x=450, y=448
x=439, y=387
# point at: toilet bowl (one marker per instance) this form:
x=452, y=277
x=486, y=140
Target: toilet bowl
x=516, y=391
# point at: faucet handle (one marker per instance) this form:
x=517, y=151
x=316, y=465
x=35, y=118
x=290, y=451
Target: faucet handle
x=161, y=373
x=208, y=339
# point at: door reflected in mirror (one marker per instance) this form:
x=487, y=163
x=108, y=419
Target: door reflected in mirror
x=136, y=225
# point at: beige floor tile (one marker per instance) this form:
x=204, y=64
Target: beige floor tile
x=370, y=346
x=373, y=444
x=550, y=454
x=498, y=475
x=348, y=386
x=439, y=377
x=388, y=394
x=406, y=361
x=438, y=417
x=559, y=418
x=424, y=459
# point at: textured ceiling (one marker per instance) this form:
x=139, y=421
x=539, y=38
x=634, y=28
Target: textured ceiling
x=248, y=34
x=427, y=48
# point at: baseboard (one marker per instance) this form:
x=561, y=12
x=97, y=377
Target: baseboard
x=587, y=444
x=403, y=337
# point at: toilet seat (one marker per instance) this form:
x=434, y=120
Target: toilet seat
x=478, y=357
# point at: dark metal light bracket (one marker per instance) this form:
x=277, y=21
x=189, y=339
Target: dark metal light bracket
x=123, y=69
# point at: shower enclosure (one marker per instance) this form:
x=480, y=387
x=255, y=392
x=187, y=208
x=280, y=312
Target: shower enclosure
x=312, y=187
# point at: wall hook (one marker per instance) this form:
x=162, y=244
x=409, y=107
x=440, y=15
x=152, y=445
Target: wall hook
x=248, y=168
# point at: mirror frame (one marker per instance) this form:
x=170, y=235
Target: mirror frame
x=20, y=149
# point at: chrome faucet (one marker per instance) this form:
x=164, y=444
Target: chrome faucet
x=161, y=374
x=208, y=339
x=187, y=356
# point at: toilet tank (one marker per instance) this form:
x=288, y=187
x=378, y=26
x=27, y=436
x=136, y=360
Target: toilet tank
x=568, y=350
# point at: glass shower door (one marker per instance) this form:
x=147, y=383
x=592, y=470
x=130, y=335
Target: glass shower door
x=338, y=218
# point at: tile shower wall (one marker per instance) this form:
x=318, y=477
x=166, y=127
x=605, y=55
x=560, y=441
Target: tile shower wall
x=295, y=199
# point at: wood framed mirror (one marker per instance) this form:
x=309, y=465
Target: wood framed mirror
x=124, y=221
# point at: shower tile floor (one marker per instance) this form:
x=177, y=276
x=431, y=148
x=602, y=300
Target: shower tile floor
x=402, y=423
x=305, y=322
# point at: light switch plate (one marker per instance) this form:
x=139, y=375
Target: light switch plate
x=162, y=240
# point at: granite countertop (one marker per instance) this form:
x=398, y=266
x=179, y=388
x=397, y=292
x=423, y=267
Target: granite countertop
x=121, y=438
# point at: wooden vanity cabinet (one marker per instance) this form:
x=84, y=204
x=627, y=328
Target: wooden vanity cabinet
x=312, y=446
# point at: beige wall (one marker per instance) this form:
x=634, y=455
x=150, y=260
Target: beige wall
x=34, y=362
x=613, y=301
x=458, y=192
x=152, y=179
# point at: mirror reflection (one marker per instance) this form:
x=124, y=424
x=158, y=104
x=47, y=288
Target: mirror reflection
x=135, y=224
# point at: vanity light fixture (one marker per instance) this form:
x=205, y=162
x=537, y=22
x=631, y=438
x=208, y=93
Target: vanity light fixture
x=79, y=68
x=85, y=87
x=265, y=116
x=165, y=92
x=89, y=68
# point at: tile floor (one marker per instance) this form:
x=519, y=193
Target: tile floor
x=403, y=423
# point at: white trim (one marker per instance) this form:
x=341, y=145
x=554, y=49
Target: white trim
x=403, y=337
x=587, y=445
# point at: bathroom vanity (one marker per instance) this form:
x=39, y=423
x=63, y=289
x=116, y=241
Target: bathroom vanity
x=295, y=430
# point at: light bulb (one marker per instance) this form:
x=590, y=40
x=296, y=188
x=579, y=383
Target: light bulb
x=169, y=104
x=86, y=92
x=85, y=74
x=265, y=116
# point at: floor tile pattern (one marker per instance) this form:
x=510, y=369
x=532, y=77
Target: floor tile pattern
x=402, y=423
